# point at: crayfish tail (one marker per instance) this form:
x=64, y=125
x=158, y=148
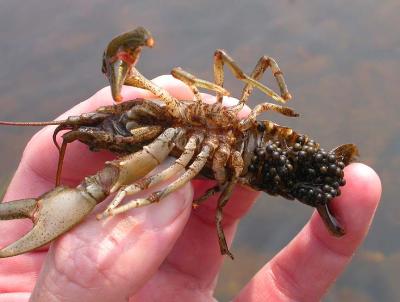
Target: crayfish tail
x=330, y=221
x=302, y=170
x=30, y=124
x=347, y=152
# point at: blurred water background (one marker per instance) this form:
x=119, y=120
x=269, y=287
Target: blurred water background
x=340, y=59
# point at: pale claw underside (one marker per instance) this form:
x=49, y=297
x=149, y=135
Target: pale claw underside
x=52, y=214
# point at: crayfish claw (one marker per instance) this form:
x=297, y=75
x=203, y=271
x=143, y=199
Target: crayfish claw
x=22, y=208
x=28, y=242
x=52, y=214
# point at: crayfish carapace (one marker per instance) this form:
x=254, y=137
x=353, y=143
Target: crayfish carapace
x=206, y=139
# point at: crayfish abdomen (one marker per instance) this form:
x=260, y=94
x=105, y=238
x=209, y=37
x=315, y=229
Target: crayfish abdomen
x=303, y=171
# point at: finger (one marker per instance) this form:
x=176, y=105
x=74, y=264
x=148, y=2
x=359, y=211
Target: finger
x=14, y=297
x=195, y=260
x=19, y=274
x=312, y=261
x=197, y=253
x=112, y=259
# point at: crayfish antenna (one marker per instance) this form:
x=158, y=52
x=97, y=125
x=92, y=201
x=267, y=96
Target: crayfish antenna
x=30, y=124
x=40, y=124
x=61, y=126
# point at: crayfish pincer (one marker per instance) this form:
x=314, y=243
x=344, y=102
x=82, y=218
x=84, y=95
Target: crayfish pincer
x=206, y=139
x=53, y=214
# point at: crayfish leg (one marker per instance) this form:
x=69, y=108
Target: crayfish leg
x=206, y=195
x=221, y=58
x=263, y=63
x=222, y=201
x=190, y=173
x=151, y=181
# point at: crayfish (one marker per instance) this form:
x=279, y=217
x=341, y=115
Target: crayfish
x=206, y=139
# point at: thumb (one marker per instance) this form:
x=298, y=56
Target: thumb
x=112, y=259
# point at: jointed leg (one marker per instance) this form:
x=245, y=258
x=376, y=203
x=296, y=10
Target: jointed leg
x=220, y=159
x=261, y=108
x=236, y=164
x=136, y=165
x=191, y=172
x=148, y=182
x=138, y=80
x=189, y=81
x=117, y=108
x=193, y=82
x=147, y=109
x=140, y=134
x=221, y=57
x=88, y=134
x=210, y=192
x=256, y=74
x=222, y=201
x=263, y=63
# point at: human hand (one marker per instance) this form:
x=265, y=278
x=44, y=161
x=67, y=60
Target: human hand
x=166, y=252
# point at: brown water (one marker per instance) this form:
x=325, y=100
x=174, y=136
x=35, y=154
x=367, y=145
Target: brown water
x=341, y=62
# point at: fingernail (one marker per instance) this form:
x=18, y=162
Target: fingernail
x=167, y=210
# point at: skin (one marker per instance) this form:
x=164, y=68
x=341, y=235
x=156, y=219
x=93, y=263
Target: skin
x=167, y=251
